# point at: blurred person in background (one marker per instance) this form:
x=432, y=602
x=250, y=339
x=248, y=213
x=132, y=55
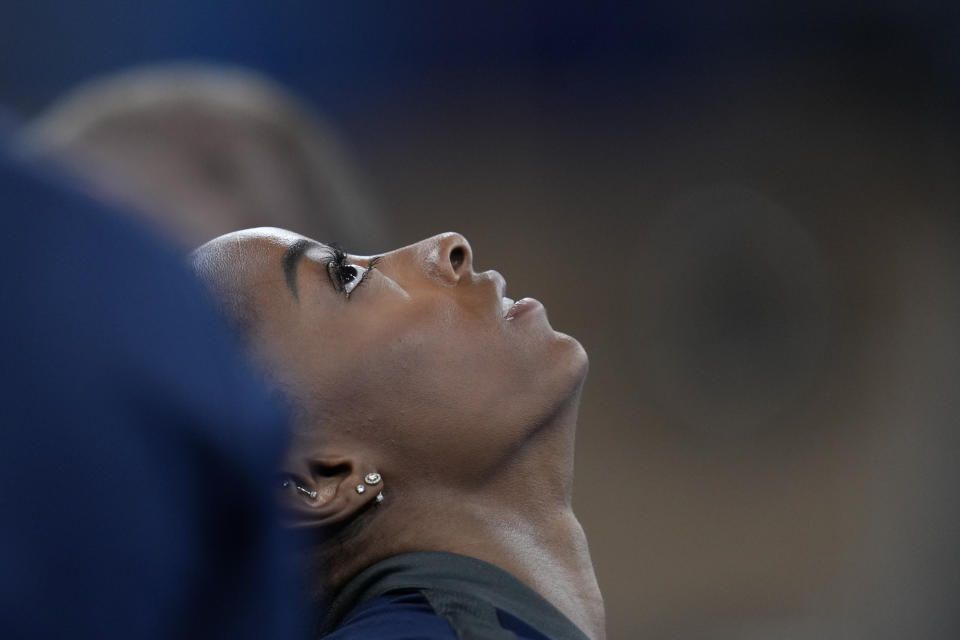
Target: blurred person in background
x=202, y=150
x=434, y=437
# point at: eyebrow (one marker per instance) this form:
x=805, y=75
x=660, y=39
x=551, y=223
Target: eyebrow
x=290, y=260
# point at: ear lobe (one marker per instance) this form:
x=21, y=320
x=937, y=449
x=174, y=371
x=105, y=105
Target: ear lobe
x=333, y=491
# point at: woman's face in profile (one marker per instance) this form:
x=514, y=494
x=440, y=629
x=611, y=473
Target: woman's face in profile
x=412, y=347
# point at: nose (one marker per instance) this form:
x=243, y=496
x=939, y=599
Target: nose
x=446, y=258
x=458, y=253
x=448, y=255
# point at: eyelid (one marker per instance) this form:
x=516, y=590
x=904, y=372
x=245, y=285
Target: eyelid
x=371, y=265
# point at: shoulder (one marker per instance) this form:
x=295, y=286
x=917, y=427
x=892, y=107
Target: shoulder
x=403, y=615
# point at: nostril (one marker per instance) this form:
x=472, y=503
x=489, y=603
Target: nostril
x=457, y=256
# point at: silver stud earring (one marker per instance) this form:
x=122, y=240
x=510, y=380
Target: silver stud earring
x=380, y=497
x=361, y=488
x=311, y=494
x=372, y=478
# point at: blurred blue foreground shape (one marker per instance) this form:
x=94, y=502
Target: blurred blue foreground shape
x=136, y=447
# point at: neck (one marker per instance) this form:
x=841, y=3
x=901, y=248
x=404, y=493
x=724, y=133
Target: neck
x=522, y=522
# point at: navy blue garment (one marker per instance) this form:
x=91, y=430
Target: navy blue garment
x=442, y=596
x=402, y=615
x=136, y=446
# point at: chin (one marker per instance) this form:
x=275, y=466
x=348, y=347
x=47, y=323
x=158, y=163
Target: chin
x=573, y=358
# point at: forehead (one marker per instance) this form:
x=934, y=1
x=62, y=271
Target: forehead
x=263, y=237
x=268, y=255
x=256, y=250
x=239, y=262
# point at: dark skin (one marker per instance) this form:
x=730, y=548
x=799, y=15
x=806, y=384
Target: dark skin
x=416, y=369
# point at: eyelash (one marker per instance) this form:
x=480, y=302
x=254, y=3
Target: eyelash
x=338, y=266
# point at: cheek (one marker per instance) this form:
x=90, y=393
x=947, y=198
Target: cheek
x=457, y=375
x=419, y=376
x=437, y=381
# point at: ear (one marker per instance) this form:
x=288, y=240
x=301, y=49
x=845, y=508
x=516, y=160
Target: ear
x=330, y=489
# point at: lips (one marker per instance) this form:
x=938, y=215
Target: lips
x=509, y=307
x=521, y=306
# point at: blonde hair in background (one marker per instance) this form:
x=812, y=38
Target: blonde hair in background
x=201, y=150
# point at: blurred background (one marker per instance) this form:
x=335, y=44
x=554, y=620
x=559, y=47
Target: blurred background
x=746, y=212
